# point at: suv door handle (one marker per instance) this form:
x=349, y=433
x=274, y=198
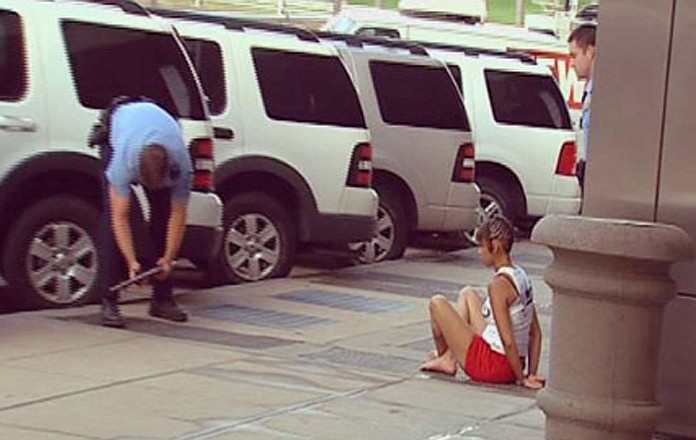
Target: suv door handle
x=16, y=124
x=223, y=133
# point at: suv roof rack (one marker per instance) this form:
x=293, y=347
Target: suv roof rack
x=128, y=6
x=235, y=23
x=415, y=48
x=476, y=51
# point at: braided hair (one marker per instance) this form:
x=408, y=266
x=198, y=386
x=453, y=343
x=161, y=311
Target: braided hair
x=497, y=228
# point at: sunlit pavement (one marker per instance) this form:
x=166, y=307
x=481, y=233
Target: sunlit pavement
x=330, y=353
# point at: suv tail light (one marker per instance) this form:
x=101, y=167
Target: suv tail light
x=464, y=167
x=567, y=160
x=360, y=173
x=203, y=164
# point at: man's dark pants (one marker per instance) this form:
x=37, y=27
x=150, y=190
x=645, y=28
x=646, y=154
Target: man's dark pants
x=149, y=247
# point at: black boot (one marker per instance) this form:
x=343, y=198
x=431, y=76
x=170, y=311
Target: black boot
x=110, y=312
x=167, y=309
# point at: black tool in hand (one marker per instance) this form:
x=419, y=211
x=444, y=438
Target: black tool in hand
x=139, y=277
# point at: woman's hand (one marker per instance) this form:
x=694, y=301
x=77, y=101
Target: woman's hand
x=534, y=382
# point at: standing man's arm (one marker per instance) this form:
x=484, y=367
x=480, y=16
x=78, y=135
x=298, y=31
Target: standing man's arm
x=175, y=235
x=120, y=224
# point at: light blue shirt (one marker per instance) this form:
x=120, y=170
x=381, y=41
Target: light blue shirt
x=586, y=117
x=134, y=127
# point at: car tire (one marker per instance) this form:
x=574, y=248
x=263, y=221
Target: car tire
x=51, y=257
x=259, y=240
x=496, y=199
x=391, y=236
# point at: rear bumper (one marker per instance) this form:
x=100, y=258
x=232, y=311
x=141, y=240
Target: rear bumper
x=337, y=229
x=565, y=198
x=201, y=244
x=460, y=212
x=203, y=228
x=567, y=206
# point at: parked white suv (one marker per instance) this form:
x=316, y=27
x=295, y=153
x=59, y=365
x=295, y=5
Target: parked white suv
x=294, y=162
x=526, y=149
x=60, y=64
x=424, y=154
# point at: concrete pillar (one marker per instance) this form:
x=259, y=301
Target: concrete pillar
x=610, y=282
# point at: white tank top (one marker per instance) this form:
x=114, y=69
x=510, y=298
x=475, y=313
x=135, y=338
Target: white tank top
x=521, y=312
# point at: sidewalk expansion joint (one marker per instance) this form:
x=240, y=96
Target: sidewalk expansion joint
x=227, y=427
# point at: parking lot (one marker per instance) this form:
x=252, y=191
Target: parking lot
x=330, y=352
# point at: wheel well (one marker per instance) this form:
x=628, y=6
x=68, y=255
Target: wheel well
x=402, y=190
x=50, y=183
x=264, y=182
x=507, y=178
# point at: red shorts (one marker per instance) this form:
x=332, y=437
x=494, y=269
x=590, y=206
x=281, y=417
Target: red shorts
x=485, y=365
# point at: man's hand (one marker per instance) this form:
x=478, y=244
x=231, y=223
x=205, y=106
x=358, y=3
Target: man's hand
x=134, y=269
x=167, y=266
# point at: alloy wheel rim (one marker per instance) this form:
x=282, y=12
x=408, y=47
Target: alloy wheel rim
x=376, y=249
x=252, y=247
x=62, y=263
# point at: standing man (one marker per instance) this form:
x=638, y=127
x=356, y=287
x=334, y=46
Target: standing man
x=583, y=54
x=144, y=146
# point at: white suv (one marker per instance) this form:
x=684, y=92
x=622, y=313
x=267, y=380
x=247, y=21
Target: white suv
x=424, y=154
x=292, y=147
x=525, y=144
x=60, y=63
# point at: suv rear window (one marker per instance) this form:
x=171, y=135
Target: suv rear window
x=13, y=69
x=207, y=59
x=526, y=99
x=418, y=96
x=308, y=88
x=110, y=61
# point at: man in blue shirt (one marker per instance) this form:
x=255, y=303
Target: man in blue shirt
x=146, y=147
x=583, y=53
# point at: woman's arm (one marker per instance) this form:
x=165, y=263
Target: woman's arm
x=534, y=345
x=502, y=295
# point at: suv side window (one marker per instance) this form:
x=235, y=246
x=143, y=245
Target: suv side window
x=526, y=99
x=110, y=61
x=457, y=76
x=13, y=69
x=307, y=88
x=207, y=59
x=418, y=96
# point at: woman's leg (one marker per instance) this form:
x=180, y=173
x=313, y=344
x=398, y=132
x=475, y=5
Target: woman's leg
x=469, y=306
x=438, y=338
x=450, y=333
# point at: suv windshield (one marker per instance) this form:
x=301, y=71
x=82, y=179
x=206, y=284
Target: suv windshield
x=109, y=61
x=418, y=96
x=526, y=99
x=308, y=88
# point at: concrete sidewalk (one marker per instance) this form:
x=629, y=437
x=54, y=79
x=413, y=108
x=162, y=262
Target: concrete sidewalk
x=320, y=356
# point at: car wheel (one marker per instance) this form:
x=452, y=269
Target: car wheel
x=495, y=200
x=51, y=257
x=259, y=240
x=391, y=235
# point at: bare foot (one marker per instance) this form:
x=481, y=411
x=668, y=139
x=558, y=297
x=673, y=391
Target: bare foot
x=444, y=364
x=433, y=354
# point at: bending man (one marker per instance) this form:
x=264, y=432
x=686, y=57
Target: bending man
x=145, y=147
